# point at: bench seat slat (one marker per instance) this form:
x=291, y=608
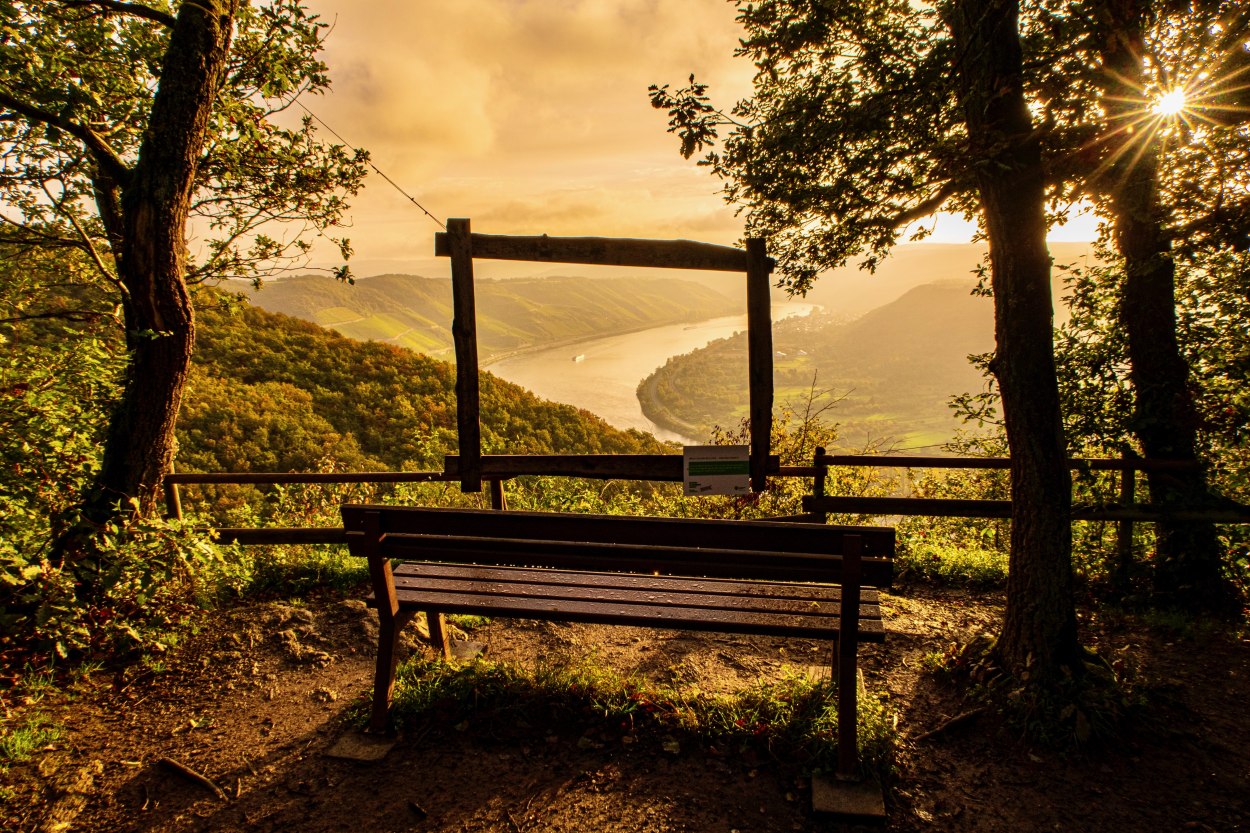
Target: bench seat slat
x=801, y=591
x=622, y=529
x=559, y=584
x=754, y=615
x=690, y=561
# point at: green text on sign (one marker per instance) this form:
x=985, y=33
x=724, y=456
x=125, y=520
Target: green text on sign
x=706, y=468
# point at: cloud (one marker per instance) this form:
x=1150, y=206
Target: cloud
x=527, y=113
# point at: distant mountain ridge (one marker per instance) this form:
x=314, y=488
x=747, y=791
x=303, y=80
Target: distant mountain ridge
x=894, y=368
x=416, y=312
x=850, y=291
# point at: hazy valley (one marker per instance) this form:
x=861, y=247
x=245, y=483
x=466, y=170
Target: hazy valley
x=890, y=347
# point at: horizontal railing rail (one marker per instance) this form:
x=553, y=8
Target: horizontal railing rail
x=668, y=468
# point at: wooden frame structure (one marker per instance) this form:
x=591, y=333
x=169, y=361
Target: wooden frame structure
x=462, y=246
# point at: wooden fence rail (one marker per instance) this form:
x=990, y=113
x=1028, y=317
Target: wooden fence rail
x=495, y=469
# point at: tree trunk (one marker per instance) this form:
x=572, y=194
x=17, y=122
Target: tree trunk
x=1039, y=637
x=1187, y=566
x=149, y=215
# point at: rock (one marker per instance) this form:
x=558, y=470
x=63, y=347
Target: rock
x=71, y=793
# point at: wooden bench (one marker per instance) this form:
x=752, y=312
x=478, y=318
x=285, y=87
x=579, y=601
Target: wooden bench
x=743, y=577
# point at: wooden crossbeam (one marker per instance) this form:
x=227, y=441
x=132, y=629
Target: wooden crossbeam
x=605, y=251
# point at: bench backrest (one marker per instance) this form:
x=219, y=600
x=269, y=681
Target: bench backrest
x=677, y=546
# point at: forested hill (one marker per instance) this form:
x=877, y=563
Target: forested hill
x=416, y=312
x=272, y=393
x=895, y=368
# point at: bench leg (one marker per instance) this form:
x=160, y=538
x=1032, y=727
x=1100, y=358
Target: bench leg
x=847, y=678
x=438, y=633
x=389, y=628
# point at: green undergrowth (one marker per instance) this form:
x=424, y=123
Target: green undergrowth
x=964, y=566
x=298, y=569
x=792, y=720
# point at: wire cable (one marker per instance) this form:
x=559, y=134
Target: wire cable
x=376, y=169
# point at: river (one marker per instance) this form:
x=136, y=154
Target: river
x=602, y=374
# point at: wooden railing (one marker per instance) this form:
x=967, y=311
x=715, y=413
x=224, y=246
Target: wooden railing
x=495, y=469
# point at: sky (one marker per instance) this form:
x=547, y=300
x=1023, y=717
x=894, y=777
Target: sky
x=528, y=117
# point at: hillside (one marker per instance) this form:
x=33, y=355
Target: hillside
x=851, y=291
x=894, y=368
x=273, y=393
x=416, y=312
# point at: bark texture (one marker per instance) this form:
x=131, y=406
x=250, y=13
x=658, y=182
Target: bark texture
x=1188, y=558
x=1039, y=637
x=146, y=214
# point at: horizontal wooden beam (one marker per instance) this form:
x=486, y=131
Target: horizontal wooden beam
x=936, y=507
x=252, y=477
x=282, y=535
x=1077, y=464
x=603, y=251
x=953, y=508
x=659, y=467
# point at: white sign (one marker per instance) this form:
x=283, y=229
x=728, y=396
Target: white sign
x=717, y=469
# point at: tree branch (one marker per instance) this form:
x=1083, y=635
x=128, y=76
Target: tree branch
x=1232, y=219
x=922, y=209
x=134, y=9
x=85, y=238
x=66, y=314
x=105, y=156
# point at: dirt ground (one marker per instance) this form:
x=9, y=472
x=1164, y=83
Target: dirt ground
x=256, y=699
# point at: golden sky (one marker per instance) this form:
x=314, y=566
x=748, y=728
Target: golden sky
x=527, y=116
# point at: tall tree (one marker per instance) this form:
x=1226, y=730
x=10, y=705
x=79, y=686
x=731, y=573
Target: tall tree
x=1039, y=630
x=865, y=118
x=875, y=99
x=125, y=128
x=1188, y=564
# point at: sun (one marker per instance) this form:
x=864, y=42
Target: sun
x=1171, y=103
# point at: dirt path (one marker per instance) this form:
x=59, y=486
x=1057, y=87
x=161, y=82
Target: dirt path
x=256, y=699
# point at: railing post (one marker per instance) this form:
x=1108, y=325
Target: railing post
x=464, y=334
x=1124, y=528
x=759, y=359
x=173, y=500
x=497, y=498
x=818, y=482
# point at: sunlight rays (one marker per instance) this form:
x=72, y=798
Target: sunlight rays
x=1171, y=103
x=1173, y=109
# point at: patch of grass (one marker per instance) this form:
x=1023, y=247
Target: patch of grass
x=792, y=720
x=24, y=739
x=294, y=570
x=965, y=566
x=468, y=622
x=33, y=684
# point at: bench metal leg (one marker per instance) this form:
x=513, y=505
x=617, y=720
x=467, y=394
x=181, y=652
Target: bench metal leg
x=389, y=628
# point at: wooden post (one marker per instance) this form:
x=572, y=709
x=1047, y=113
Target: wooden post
x=760, y=350
x=497, y=498
x=818, y=482
x=173, y=500
x=464, y=333
x=1124, y=528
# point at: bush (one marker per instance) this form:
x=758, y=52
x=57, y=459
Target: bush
x=963, y=565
